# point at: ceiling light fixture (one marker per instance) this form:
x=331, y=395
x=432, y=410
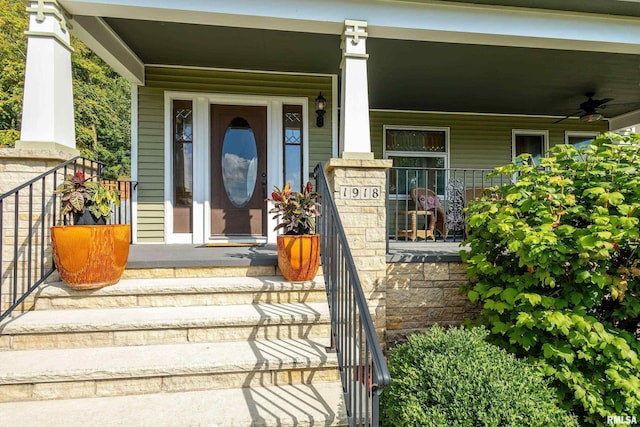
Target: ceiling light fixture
x=591, y=117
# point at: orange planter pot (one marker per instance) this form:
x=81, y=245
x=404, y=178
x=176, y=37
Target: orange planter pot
x=299, y=257
x=90, y=256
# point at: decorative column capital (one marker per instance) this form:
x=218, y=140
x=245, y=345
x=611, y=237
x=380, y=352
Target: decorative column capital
x=355, y=30
x=48, y=19
x=353, y=40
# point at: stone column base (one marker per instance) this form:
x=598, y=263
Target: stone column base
x=19, y=165
x=359, y=189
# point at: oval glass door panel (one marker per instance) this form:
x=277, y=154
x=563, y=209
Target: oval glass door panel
x=239, y=162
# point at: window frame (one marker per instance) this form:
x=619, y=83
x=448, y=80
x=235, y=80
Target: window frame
x=587, y=134
x=529, y=132
x=386, y=154
x=303, y=178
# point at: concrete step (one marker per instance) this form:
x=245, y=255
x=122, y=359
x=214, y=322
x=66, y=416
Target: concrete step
x=163, y=325
x=185, y=291
x=115, y=371
x=290, y=405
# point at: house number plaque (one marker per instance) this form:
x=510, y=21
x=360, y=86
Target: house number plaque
x=360, y=192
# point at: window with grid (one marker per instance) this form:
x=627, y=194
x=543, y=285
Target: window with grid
x=182, y=158
x=292, y=140
x=419, y=156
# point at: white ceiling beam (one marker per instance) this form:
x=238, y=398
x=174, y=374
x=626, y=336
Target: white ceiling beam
x=427, y=20
x=101, y=39
x=624, y=121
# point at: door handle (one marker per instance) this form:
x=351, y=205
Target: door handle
x=264, y=185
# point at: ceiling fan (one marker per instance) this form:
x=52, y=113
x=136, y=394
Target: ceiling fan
x=589, y=109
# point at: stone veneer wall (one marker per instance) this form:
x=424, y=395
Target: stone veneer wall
x=421, y=294
x=18, y=166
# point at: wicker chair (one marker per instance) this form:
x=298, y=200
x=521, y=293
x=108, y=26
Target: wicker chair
x=434, y=216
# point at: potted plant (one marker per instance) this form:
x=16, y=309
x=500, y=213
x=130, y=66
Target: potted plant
x=89, y=202
x=299, y=246
x=89, y=254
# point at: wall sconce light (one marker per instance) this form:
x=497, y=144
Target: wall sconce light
x=321, y=108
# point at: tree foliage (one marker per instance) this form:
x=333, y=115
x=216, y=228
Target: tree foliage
x=13, y=24
x=554, y=259
x=101, y=97
x=102, y=111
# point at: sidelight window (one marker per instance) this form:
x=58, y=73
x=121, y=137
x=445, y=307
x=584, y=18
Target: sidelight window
x=182, y=127
x=292, y=140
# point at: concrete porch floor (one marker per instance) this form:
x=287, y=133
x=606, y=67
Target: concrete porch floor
x=186, y=255
x=181, y=255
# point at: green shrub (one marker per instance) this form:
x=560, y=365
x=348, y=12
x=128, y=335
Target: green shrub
x=8, y=137
x=554, y=259
x=455, y=378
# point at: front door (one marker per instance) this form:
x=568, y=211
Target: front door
x=238, y=171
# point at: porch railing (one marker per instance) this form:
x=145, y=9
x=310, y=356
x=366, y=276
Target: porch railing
x=427, y=204
x=26, y=215
x=363, y=368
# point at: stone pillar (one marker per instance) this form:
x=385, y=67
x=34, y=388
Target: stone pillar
x=29, y=244
x=47, y=139
x=364, y=219
x=47, y=109
x=355, y=138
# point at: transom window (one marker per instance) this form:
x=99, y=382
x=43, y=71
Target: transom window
x=416, y=153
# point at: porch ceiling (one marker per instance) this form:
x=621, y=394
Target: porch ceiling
x=411, y=75
x=606, y=7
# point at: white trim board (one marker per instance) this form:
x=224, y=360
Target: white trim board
x=426, y=20
x=102, y=40
x=134, y=161
x=469, y=113
x=582, y=134
x=240, y=70
x=335, y=114
x=625, y=120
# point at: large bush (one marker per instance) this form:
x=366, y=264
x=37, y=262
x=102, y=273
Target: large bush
x=554, y=260
x=455, y=378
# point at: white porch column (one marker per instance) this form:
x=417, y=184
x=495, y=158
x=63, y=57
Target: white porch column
x=47, y=109
x=355, y=138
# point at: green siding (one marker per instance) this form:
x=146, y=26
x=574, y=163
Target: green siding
x=151, y=124
x=150, y=165
x=476, y=141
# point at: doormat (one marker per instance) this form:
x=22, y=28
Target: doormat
x=231, y=245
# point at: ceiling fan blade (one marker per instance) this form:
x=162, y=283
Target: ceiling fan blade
x=601, y=103
x=622, y=104
x=567, y=116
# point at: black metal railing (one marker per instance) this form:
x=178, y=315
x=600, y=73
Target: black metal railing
x=26, y=214
x=363, y=368
x=428, y=203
